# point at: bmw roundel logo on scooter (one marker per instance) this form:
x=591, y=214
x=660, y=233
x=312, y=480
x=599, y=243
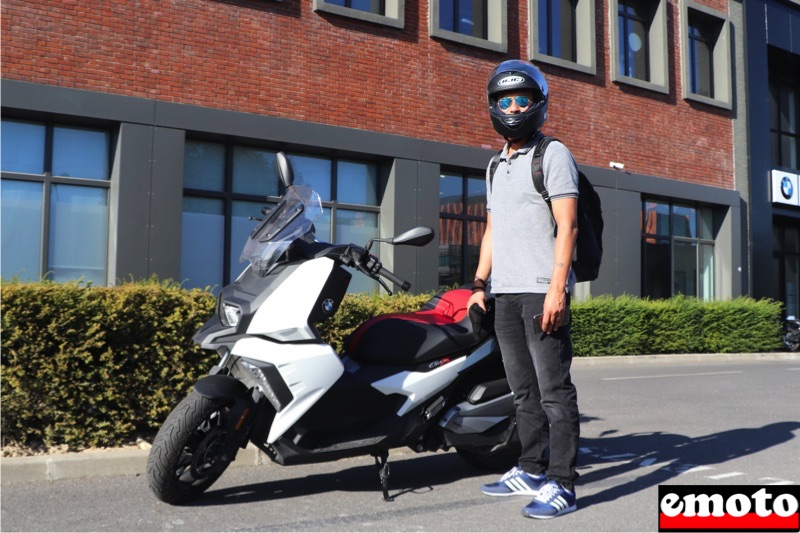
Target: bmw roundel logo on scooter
x=327, y=306
x=787, y=189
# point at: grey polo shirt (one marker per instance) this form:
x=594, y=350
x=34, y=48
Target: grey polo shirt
x=523, y=245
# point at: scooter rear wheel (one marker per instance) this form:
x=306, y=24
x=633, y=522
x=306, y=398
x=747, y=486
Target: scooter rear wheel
x=187, y=455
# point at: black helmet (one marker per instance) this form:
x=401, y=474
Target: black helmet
x=515, y=75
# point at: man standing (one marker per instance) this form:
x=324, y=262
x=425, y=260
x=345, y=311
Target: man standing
x=527, y=248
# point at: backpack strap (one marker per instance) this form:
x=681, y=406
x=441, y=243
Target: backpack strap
x=537, y=171
x=493, y=167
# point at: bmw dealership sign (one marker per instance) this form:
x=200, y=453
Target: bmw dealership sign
x=785, y=188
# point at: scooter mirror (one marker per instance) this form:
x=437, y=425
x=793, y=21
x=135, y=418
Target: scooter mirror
x=284, y=169
x=419, y=236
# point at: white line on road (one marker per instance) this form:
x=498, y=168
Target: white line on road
x=724, y=476
x=692, y=469
x=673, y=375
x=776, y=481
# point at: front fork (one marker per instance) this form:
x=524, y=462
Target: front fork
x=242, y=405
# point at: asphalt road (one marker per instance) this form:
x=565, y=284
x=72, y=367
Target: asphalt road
x=644, y=423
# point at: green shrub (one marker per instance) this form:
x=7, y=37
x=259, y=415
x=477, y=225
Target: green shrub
x=96, y=366
x=629, y=326
x=93, y=366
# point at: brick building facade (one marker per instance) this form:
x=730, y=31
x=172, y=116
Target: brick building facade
x=393, y=90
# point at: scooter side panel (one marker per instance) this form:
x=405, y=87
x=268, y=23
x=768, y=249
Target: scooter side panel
x=309, y=371
x=419, y=386
x=284, y=314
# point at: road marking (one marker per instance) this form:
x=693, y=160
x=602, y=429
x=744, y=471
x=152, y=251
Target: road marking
x=648, y=462
x=692, y=469
x=776, y=481
x=724, y=476
x=673, y=375
x=618, y=456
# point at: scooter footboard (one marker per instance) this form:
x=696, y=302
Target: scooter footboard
x=470, y=419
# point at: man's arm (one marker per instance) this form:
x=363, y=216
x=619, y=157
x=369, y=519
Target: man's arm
x=565, y=214
x=484, y=264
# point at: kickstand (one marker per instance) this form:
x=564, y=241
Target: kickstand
x=381, y=463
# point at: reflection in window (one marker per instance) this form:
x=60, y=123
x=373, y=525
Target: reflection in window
x=78, y=233
x=677, y=250
x=557, y=29
x=226, y=185
x=633, y=21
x=702, y=34
x=468, y=17
x=55, y=223
x=21, y=210
x=370, y=6
x=462, y=221
x=784, y=70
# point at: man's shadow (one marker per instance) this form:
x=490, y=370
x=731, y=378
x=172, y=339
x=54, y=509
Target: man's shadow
x=673, y=454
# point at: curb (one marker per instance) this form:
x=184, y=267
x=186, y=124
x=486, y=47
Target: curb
x=95, y=464
x=134, y=462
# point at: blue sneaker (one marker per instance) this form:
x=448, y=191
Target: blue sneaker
x=515, y=482
x=553, y=500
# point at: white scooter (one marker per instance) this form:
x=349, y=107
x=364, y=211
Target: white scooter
x=429, y=380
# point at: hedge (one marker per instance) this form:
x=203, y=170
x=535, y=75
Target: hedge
x=97, y=366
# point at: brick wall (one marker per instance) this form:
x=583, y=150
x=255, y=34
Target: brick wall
x=282, y=59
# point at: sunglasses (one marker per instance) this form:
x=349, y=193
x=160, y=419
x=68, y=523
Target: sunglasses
x=505, y=102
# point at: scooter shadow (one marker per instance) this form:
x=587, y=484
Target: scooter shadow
x=413, y=475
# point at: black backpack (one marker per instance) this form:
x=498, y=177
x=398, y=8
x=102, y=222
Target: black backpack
x=589, y=246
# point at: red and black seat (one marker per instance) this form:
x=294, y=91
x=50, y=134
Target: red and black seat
x=442, y=327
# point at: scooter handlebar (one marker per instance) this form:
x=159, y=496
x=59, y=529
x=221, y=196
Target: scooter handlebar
x=391, y=276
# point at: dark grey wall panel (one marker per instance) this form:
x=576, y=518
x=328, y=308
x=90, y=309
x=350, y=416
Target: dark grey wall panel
x=64, y=101
x=166, y=203
x=130, y=210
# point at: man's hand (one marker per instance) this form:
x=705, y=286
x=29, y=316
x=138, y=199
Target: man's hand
x=555, y=306
x=478, y=297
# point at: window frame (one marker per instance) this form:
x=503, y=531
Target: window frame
x=228, y=196
x=782, y=80
x=464, y=218
x=496, y=23
x=48, y=180
x=658, y=53
x=700, y=243
x=393, y=16
x=722, y=95
x=585, y=38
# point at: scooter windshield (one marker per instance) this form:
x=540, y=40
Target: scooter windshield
x=290, y=219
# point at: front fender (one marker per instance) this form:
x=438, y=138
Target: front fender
x=220, y=387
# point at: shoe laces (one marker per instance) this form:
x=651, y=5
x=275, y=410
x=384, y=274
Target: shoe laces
x=512, y=473
x=548, y=493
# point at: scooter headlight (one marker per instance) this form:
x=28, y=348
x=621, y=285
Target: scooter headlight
x=230, y=314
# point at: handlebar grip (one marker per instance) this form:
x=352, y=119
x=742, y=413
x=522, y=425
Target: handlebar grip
x=405, y=285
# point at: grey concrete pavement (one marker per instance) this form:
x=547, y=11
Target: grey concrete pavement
x=133, y=462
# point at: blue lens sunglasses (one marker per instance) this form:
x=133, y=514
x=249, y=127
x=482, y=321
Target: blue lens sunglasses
x=505, y=102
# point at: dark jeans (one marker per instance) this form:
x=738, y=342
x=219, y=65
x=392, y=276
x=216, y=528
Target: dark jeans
x=537, y=366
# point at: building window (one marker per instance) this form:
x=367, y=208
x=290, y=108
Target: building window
x=55, y=187
x=225, y=185
x=786, y=264
x=563, y=33
x=639, y=39
x=705, y=56
x=784, y=123
x=462, y=221
x=677, y=250
x=385, y=12
x=480, y=23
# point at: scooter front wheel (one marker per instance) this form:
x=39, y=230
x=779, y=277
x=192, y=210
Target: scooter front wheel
x=188, y=454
